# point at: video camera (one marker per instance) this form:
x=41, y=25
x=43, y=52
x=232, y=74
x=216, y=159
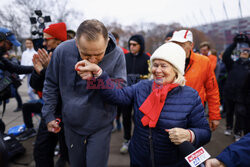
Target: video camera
x=242, y=37
x=37, y=30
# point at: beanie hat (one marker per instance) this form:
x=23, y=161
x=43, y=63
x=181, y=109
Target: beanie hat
x=140, y=40
x=57, y=30
x=182, y=36
x=172, y=53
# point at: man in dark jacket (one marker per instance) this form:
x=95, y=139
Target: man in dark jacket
x=45, y=141
x=87, y=117
x=235, y=89
x=7, y=40
x=137, y=65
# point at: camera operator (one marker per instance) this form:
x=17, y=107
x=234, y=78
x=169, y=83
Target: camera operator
x=7, y=40
x=236, y=86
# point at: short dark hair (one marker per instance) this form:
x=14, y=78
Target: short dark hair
x=205, y=43
x=91, y=29
x=115, y=35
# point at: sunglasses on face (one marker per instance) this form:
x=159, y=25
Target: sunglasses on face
x=133, y=44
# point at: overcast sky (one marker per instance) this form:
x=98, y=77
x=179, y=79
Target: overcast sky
x=186, y=12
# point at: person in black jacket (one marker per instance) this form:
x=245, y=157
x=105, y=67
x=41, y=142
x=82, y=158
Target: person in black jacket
x=235, y=89
x=137, y=65
x=7, y=40
x=45, y=141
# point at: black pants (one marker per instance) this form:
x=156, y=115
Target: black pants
x=45, y=146
x=28, y=109
x=238, y=110
x=18, y=99
x=127, y=120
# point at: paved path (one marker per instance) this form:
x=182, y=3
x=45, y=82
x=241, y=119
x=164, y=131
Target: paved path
x=218, y=142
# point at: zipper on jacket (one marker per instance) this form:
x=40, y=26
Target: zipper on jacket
x=151, y=147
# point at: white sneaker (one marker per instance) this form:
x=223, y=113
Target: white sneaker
x=228, y=132
x=124, y=148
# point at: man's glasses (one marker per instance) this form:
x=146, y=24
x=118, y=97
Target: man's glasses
x=133, y=44
x=46, y=39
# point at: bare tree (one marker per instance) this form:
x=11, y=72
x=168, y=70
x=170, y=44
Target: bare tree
x=16, y=15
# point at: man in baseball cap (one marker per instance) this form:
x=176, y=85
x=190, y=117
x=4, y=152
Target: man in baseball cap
x=7, y=40
x=9, y=36
x=200, y=76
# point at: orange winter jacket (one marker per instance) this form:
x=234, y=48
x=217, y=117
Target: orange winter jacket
x=200, y=76
x=213, y=61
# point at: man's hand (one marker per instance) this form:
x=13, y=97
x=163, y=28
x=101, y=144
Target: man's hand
x=214, y=124
x=214, y=163
x=44, y=57
x=37, y=64
x=53, y=127
x=178, y=135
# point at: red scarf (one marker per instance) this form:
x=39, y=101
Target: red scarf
x=154, y=103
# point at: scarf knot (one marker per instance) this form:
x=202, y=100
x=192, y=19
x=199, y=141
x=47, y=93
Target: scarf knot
x=152, y=106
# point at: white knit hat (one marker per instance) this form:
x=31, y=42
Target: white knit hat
x=172, y=53
x=182, y=36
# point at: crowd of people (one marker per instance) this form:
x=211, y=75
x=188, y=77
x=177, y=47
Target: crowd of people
x=81, y=82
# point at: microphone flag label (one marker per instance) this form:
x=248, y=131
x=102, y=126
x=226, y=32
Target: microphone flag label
x=197, y=157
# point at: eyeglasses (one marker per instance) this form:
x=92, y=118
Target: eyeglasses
x=133, y=44
x=46, y=39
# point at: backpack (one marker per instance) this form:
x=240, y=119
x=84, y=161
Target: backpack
x=13, y=147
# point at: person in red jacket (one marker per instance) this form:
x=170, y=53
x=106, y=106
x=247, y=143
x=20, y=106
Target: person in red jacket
x=200, y=76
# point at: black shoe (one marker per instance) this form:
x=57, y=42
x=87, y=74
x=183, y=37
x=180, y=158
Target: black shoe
x=27, y=134
x=61, y=162
x=17, y=109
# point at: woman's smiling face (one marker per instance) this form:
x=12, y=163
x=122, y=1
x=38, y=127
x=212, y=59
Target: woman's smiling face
x=163, y=72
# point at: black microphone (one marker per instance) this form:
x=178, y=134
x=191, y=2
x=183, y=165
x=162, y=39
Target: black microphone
x=187, y=148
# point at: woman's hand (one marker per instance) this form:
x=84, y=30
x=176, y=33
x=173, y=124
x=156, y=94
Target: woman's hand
x=178, y=135
x=87, y=70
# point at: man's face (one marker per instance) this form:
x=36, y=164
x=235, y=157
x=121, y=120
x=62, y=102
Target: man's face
x=6, y=45
x=244, y=53
x=187, y=46
x=51, y=43
x=204, y=50
x=134, y=47
x=93, y=51
x=29, y=44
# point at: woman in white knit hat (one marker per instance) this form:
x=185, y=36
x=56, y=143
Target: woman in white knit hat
x=166, y=112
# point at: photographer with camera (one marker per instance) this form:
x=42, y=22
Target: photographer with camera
x=7, y=40
x=236, y=86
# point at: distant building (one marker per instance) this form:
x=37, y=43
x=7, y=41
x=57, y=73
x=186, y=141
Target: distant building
x=223, y=32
